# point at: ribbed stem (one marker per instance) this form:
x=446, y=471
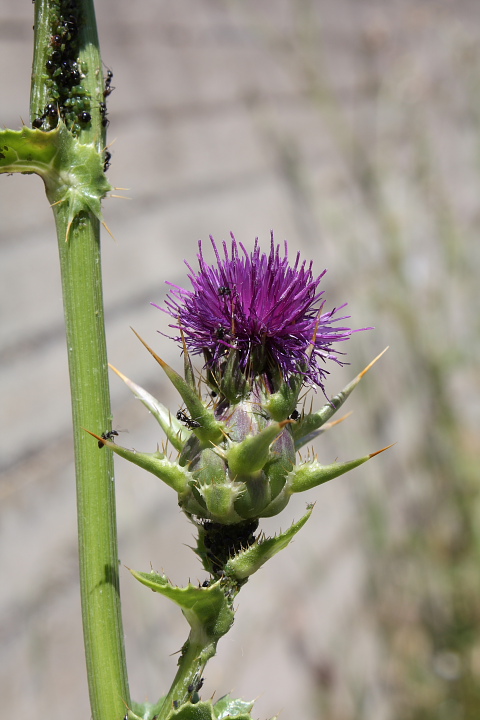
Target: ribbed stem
x=97, y=535
x=85, y=331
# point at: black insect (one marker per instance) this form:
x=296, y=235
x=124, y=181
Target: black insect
x=56, y=57
x=206, y=583
x=176, y=704
x=70, y=25
x=195, y=687
x=84, y=117
x=109, y=435
x=74, y=77
x=223, y=290
x=103, y=113
x=188, y=422
x=220, y=332
x=294, y=416
x=199, y=685
x=50, y=111
x=57, y=41
x=108, y=84
x=69, y=74
x=106, y=164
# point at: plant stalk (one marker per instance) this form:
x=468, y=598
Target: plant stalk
x=195, y=654
x=85, y=333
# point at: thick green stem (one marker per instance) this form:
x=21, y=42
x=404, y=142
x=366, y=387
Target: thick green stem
x=85, y=331
x=97, y=536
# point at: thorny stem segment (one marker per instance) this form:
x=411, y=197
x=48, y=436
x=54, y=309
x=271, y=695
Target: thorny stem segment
x=67, y=75
x=195, y=654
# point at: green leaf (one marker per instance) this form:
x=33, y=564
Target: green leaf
x=228, y=707
x=206, y=609
x=198, y=711
x=224, y=709
x=250, y=560
x=144, y=711
x=72, y=172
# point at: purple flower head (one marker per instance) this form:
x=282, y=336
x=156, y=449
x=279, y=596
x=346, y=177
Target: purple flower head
x=259, y=307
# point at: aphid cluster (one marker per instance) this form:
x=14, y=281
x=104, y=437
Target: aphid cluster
x=68, y=98
x=223, y=541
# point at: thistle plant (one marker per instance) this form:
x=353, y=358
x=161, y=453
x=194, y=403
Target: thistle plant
x=264, y=336
x=259, y=325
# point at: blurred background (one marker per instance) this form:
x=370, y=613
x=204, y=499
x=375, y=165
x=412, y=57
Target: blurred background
x=352, y=129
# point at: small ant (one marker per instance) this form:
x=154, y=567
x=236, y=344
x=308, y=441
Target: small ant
x=108, y=84
x=50, y=111
x=106, y=164
x=294, y=416
x=103, y=113
x=223, y=291
x=109, y=435
x=191, y=424
x=220, y=332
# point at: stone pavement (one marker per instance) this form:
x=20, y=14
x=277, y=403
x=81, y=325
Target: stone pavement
x=220, y=125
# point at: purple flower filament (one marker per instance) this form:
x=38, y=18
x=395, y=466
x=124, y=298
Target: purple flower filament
x=260, y=307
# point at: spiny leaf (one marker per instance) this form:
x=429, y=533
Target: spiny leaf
x=72, y=172
x=303, y=429
x=172, y=474
x=311, y=474
x=205, y=608
x=209, y=430
x=245, y=563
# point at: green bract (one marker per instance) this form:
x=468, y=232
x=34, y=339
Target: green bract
x=236, y=464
